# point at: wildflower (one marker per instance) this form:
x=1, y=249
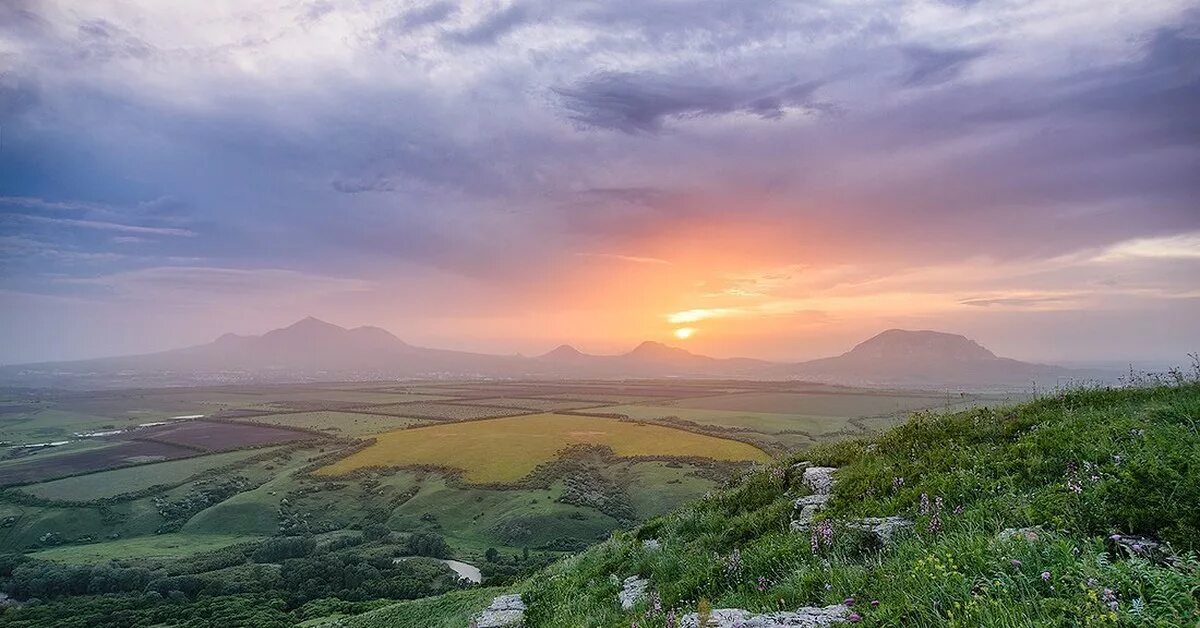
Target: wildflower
x=897, y=482
x=655, y=605
x=1074, y=486
x=762, y=583
x=1015, y=563
x=778, y=473
x=671, y=618
x=828, y=586
x=874, y=603
x=924, y=508
x=854, y=618
x=848, y=601
x=733, y=563
x=958, y=510
x=1045, y=576
x=821, y=536
x=935, y=523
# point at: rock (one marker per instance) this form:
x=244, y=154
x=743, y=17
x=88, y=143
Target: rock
x=633, y=590
x=808, y=506
x=1029, y=534
x=806, y=617
x=819, y=479
x=505, y=610
x=882, y=528
x=651, y=545
x=809, y=501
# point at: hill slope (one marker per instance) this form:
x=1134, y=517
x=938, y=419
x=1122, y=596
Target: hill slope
x=1081, y=467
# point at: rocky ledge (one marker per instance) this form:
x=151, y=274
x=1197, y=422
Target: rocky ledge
x=806, y=617
x=505, y=610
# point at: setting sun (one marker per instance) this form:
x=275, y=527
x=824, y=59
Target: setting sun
x=683, y=333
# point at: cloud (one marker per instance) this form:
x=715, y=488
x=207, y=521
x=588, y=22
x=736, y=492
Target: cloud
x=492, y=27
x=636, y=103
x=932, y=66
x=285, y=136
x=108, y=226
x=419, y=17
x=1181, y=246
x=177, y=284
x=1020, y=301
x=635, y=259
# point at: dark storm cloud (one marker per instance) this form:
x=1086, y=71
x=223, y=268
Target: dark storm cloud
x=454, y=124
x=641, y=102
x=492, y=27
x=931, y=66
x=427, y=15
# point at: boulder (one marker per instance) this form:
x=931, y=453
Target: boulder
x=808, y=506
x=633, y=590
x=819, y=479
x=882, y=528
x=505, y=610
x=806, y=617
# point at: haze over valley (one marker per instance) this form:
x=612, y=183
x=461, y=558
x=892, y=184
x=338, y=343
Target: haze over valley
x=313, y=350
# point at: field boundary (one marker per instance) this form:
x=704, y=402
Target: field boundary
x=544, y=474
x=14, y=495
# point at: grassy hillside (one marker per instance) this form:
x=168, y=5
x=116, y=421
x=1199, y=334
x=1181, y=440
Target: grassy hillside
x=1082, y=466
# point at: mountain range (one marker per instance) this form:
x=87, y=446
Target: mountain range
x=312, y=350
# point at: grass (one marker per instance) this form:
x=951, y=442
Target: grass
x=851, y=404
x=157, y=546
x=340, y=423
x=447, y=411
x=763, y=422
x=1082, y=466
x=506, y=450
x=131, y=479
x=452, y=610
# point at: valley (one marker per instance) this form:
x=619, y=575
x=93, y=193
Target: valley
x=504, y=476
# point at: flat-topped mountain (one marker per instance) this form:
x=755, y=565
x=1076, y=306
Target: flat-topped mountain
x=901, y=344
x=312, y=349
x=931, y=358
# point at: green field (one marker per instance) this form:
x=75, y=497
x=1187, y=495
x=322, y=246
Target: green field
x=764, y=422
x=157, y=546
x=506, y=450
x=131, y=479
x=340, y=423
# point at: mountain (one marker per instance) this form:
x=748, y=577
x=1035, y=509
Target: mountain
x=311, y=350
x=899, y=357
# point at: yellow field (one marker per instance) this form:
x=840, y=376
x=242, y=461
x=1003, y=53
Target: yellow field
x=507, y=449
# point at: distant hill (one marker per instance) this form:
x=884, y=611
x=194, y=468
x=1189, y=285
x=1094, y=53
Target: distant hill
x=313, y=350
x=900, y=357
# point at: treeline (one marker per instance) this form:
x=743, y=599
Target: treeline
x=289, y=572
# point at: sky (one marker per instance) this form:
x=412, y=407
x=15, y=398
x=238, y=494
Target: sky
x=783, y=179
